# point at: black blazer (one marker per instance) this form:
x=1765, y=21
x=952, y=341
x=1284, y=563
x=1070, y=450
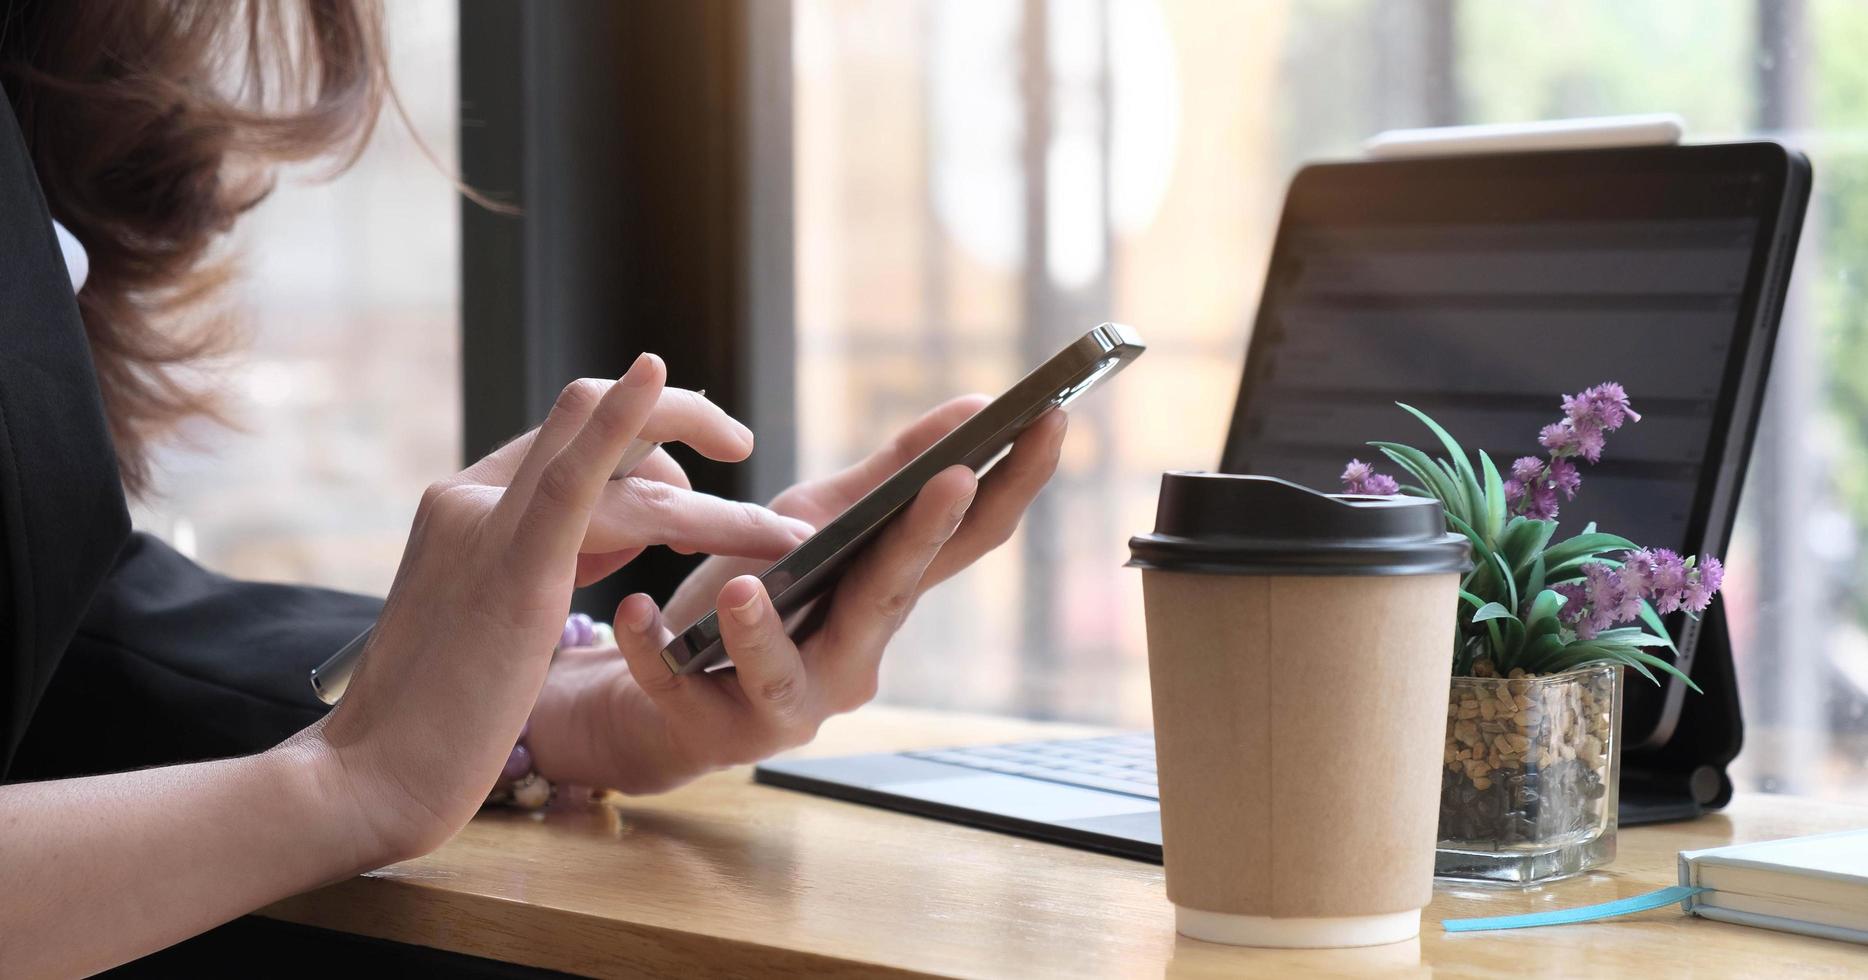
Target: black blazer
x=115, y=651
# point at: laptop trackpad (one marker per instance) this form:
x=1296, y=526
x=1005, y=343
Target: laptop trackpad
x=1028, y=799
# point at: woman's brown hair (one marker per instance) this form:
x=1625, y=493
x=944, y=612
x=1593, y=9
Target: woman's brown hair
x=153, y=125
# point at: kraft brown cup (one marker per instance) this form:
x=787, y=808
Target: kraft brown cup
x=1299, y=677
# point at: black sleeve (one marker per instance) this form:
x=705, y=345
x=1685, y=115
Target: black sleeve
x=174, y=663
x=115, y=651
x=62, y=515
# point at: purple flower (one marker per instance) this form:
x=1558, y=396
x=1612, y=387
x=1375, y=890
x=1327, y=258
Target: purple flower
x=1608, y=596
x=1667, y=587
x=1588, y=417
x=1530, y=491
x=1703, y=583
x=1525, y=473
x=1638, y=572
x=1555, y=437
x=1575, y=599
x=1361, y=478
x=1564, y=477
x=1540, y=502
x=1599, y=602
x=1610, y=601
x=1617, y=603
x=1573, y=438
x=1604, y=407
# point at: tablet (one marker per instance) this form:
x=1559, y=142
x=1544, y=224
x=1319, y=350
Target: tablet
x=809, y=571
x=1481, y=288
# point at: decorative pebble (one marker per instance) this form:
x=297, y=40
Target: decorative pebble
x=531, y=791
x=602, y=635
x=1527, y=758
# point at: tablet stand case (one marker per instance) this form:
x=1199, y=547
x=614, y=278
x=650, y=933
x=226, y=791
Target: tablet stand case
x=1685, y=776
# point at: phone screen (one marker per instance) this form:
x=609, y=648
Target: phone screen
x=799, y=578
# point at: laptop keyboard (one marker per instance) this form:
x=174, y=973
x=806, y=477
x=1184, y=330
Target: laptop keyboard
x=1113, y=763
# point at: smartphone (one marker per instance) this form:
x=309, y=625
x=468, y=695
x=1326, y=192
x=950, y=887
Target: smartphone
x=797, y=580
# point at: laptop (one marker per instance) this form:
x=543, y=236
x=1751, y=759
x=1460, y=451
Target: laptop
x=1479, y=289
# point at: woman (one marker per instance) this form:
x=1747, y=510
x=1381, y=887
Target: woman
x=145, y=130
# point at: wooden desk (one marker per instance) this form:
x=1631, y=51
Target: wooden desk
x=729, y=876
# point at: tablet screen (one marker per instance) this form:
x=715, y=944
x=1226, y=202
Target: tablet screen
x=1481, y=289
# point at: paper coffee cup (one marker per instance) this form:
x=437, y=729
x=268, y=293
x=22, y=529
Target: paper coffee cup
x=1299, y=645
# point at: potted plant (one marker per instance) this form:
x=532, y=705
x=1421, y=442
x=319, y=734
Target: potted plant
x=1547, y=628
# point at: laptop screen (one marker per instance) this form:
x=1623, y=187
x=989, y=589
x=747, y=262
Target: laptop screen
x=1482, y=289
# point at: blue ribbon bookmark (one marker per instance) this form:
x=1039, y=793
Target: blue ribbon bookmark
x=1587, y=913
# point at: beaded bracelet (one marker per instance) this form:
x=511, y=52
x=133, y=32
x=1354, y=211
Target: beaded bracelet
x=519, y=783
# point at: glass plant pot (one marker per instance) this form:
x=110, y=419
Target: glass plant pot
x=1532, y=768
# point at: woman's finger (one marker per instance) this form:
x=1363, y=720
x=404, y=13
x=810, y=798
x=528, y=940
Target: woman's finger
x=496, y=469
x=679, y=416
x=597, y=566
x=689, y=418
x=878, y=590
x=551, y=521
x=638, y=512
x=516, y=464
x=765, y=663
x=1004, y=495
x=634, y=512
x=662, y=468
x=641, y=633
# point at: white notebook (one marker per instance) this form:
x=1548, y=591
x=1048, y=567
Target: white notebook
x=1813, y=885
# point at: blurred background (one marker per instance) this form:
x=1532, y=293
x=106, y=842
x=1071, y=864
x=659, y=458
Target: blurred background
x=934, y=195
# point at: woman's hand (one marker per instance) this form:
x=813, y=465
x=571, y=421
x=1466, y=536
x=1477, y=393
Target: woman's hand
x=626, y=722
x=457, y=658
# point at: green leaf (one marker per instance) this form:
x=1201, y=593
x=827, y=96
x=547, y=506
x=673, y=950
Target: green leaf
x=1511, y=584
x=1542, y=618
x=1478, y=543
x=1654, y=622
x=1493, y=610
x=1494, y=498
x=1501, y=645
x=1585, y=653
x=1423, y=469
x=1572, y=570
x=1433, y=484
x=1587, y=544
x=1471, y=600
x=1525, y=541
x=1468, y=482
x=1651, y=660
x=1638, y=668
x=1598, y=651
x=1633, y=636
x=1478, y=578
x=1535, y=653
x=1534, y=582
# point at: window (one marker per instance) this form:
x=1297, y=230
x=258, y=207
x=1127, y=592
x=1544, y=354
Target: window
x=978, y=182
x=348, y=399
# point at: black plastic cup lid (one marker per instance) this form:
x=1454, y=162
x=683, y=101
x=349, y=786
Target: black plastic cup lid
x=1224, y=524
